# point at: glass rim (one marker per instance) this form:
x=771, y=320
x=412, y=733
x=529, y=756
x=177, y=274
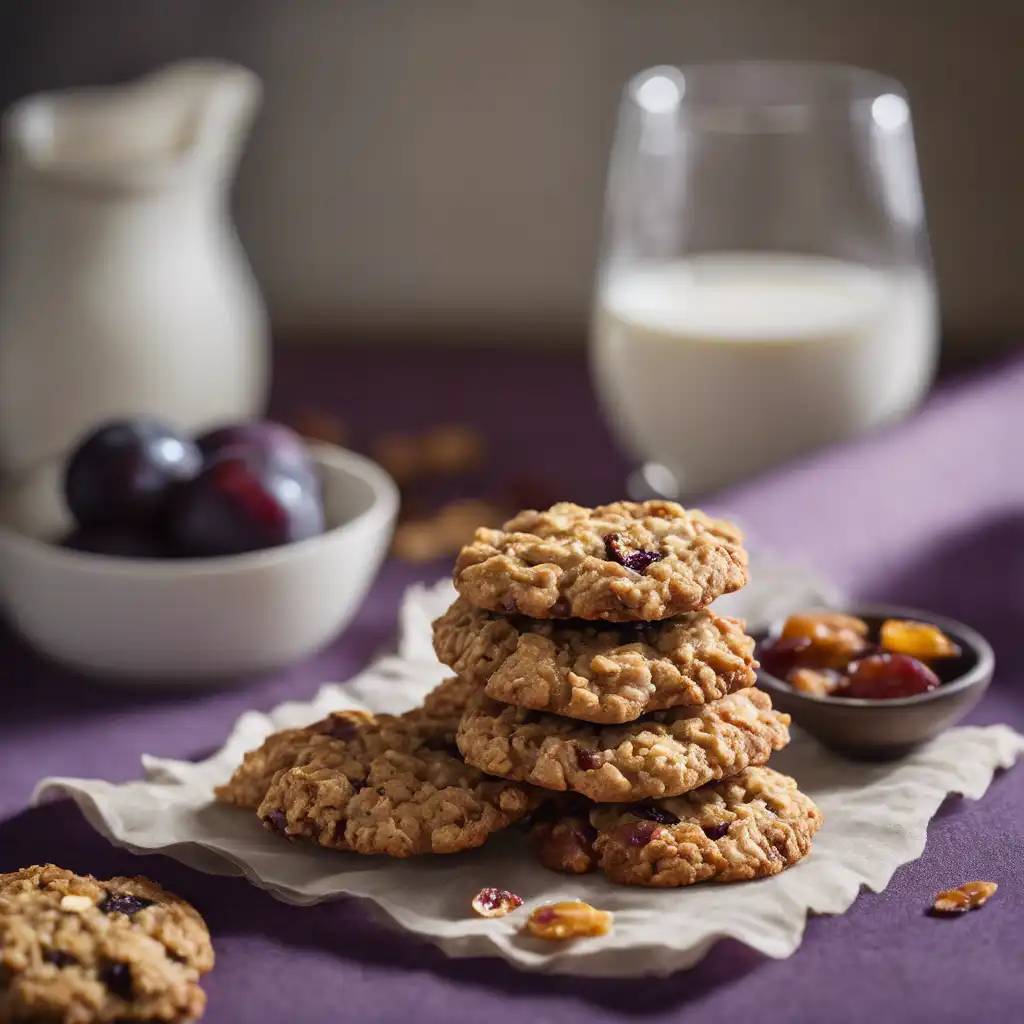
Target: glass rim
x=864, y=84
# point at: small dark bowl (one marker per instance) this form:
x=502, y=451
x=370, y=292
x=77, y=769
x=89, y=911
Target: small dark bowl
x=884, y=730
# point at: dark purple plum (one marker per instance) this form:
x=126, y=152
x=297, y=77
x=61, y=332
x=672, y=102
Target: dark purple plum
x=122, y=473
x=278, y=447
x=240, y=504
x=118, y=542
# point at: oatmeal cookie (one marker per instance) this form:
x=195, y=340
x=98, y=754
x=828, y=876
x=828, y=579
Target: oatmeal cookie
x=76, y=950
x=394, y=788
x=438, y=717
x=754, y=824
x=607, y=673
x=249, y=784
x=662, y=754
x=624, y=562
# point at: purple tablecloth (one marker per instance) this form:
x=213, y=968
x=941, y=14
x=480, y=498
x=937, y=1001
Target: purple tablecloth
x=929, y=513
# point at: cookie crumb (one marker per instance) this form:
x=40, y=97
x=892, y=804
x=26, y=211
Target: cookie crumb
x=496, y=902
x=968, y=896
x=571, y=919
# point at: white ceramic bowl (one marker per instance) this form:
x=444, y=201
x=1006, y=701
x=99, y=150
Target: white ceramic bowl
x=199, y=619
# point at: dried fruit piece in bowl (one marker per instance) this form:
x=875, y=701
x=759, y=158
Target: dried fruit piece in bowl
x=817, y=682
x=783, y=657
x=834, y=638
x=888, y=676
x=917, y=639
x=496, y=902
x=569, y=920
x=968, y=896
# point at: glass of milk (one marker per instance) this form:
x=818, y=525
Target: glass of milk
x=765, y=286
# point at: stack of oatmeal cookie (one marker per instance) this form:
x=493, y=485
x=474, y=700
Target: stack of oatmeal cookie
x=599, y=673
x=596, y=697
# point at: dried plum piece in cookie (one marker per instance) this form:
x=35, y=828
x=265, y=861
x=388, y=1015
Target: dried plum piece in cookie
x=76, y=949
x=752, y=825
x=561, y=835
x=410, y=800
x=437, y=718
x=602, y=672
x=623, y=562
x=662, y=754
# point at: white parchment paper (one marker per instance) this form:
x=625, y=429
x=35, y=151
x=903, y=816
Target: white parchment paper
x=875, y=820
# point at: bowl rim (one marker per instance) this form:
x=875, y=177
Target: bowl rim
x=382, y=509
x=983, y=668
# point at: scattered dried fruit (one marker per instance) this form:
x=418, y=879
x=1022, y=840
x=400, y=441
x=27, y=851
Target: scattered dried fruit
x=888, y=676
x=968, y=896
x=917, y=639
x=451, y=450
x=496, y=902
x=447, y=450
x=321, y=425
x=569, y=920
x=400, y=455
x=423, y=540
x=417, y=541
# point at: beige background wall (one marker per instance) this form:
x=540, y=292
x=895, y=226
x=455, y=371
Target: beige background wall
x=433, y=166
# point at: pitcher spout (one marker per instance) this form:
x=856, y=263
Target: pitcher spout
x=191, y=114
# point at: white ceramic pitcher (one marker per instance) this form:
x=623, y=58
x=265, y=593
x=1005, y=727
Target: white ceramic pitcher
x=123, y=288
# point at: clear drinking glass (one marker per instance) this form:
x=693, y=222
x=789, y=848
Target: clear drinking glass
x=765, y=284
